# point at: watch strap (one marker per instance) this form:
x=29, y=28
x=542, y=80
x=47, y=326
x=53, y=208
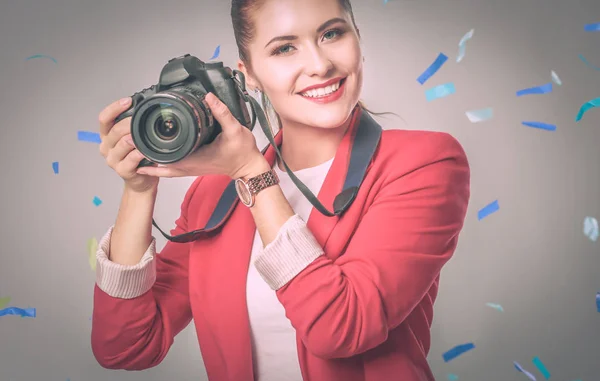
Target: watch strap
x=262, y=181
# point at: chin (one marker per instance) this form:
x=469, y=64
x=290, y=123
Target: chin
x=330, y=116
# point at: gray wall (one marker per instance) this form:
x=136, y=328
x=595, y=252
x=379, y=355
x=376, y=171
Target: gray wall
x=531, y=256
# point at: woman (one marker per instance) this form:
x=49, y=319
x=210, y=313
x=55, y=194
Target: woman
x=283, y=292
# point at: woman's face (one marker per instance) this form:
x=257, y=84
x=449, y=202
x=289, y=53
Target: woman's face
x=304, y=44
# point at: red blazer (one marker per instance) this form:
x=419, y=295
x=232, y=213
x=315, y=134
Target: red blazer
x=362, y=311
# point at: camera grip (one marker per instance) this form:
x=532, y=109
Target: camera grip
x=145, y=163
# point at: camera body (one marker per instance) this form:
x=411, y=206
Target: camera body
x=170, y=120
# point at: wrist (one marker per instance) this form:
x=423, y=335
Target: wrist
x=255, y=167
x=149, y=192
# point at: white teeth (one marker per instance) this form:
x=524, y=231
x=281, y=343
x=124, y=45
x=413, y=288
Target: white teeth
x=314, y=93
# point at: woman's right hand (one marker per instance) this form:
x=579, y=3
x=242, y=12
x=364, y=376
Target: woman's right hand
x=118, y=149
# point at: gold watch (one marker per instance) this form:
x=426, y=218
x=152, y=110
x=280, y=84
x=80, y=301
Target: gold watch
x=247, y=189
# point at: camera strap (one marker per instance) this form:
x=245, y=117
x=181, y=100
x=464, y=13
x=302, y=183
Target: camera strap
x=364, y=144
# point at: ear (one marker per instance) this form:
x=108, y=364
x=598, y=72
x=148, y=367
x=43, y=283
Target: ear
x=250, y=81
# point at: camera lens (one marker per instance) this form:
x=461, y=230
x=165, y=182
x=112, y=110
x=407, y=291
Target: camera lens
x=166, y=127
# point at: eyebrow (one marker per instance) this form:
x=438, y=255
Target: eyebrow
x=320, y=29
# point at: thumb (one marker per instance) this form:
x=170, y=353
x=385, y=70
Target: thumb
x=221, y=113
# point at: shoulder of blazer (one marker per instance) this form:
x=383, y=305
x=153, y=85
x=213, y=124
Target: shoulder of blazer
x=407, y=150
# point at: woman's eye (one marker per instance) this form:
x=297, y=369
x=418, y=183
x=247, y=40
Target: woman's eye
x=282, y=50
x=330, y=34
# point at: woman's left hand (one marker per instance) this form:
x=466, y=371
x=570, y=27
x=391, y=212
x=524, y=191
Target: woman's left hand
x=233, y=152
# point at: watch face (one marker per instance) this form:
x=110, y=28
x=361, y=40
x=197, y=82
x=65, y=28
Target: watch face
x=243, y=192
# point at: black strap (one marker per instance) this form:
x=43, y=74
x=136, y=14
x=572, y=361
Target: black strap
x=368, y=134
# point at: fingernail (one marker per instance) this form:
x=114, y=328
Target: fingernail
x=125, y=101
x=129, y=140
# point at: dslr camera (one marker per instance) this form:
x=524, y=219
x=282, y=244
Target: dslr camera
x=170, y=120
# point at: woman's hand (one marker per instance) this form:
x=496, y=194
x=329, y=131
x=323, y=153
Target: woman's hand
x=118, y=150
x=233, y=152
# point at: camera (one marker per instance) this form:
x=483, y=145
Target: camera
x=171, y=120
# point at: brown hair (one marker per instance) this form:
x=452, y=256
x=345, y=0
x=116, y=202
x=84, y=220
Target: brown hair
x=243, y=30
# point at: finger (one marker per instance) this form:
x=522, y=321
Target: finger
x=116, y=133
x=107, y=117
x=130, y=163
x=161, y=172
x=221, y=112
x=121, y=149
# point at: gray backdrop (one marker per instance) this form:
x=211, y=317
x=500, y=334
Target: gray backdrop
x=531, y=256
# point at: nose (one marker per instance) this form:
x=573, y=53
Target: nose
x=318, y=63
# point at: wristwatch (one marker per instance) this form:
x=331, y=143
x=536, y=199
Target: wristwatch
x=247, y=189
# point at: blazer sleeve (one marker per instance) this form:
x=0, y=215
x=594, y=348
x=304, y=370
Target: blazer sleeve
x=345, y=307
x=135, y=333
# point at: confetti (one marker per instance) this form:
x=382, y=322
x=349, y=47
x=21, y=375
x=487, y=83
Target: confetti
x=481, y=115
x=55, y=167
x=87, y=136
x=452, y=377
x=462, y=45
x=457, y=351
x=590, y=228
x=495, y=306
x=433, y=68
x=555, y=78
x=488, y=209
x=541, y=367
x=587, y=63
x=540, y=125
x=587, y=106
x=547, y=88
x=598, y=301
x=520, y=369
x=592, y=27
x=40, y=56
x=216, y=53
x=440, y=91
x=97, y=201
x=4, y=302
x=27, y=312
x=92, y=249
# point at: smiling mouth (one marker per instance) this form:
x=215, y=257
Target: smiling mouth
x=323, y=91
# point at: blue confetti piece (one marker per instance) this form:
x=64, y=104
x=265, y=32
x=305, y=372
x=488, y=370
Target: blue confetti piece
x=457, y=351
x=97, y=201
x=481, y=115
x=87, y=136
x=433, y=68
x=452, y=377
x=592, y=27
x=540, y=125
x=216, y=53
x=541, y=367
x=547, y=88
x=495, y=306
x=598, y=301
x=27, y=312
x=522, y=370
x=587, y=63
x=590, y=228
x=587, y=106
x=488, y=209
x=462, y=45
x=41, y=56
x=55, y=167
x=440, y=91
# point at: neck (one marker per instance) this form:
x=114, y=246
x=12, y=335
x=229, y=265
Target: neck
x=305, y=146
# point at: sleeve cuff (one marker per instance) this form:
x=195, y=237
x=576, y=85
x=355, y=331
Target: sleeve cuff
x=292, y=250
x=121, y=281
